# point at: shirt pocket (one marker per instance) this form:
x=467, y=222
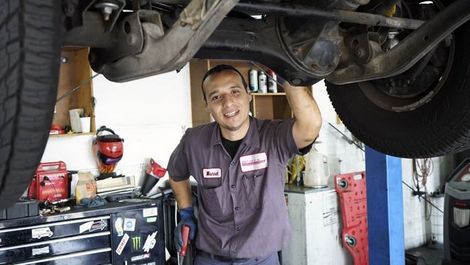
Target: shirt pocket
x=211, y=183
x=212, y=198
x=252, y=186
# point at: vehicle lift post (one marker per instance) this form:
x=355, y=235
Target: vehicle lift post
x=384, y=209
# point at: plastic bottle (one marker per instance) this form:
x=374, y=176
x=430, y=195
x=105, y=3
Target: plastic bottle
x=316, y=169
x=263, y=86
x=272, y=84
x=253, y=80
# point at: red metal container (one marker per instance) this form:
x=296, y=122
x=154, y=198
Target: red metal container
x=50, y=183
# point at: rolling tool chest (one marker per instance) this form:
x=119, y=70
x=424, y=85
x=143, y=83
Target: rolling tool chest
x=117, y=233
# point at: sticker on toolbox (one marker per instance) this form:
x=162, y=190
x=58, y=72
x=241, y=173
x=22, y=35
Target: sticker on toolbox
x=151, y=219
x=118, y=226
x=140, y=257
x=39, y=233
x=85, y=227
x=98, y=225
x=39, y=251
x=122, y=244
x=92, y=226
x=136, y=243
x=150, y=242
x=129, y=224
x=150, y=212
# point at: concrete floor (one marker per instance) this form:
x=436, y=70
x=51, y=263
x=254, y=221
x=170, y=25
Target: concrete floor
x=425, y=255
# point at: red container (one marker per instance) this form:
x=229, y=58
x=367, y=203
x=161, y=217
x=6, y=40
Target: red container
x=50, y=183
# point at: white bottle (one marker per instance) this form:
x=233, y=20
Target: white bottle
x=316, y=169
x=253, y=80
x=262, y=84
x=272, y=84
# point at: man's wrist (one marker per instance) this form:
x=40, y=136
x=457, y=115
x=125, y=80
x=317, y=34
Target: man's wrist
x=186, y=213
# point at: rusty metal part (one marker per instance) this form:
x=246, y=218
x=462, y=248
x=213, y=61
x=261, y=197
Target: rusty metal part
x=172, y=51
x=337, y=15
x=409, y=51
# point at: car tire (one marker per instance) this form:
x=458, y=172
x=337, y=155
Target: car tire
x=29, y=69
x=437, y=127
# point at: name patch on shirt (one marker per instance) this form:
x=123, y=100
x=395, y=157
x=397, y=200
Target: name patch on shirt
x=211, y=173
x=253, y=162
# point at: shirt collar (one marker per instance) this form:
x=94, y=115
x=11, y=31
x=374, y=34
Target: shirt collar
x=251, y=138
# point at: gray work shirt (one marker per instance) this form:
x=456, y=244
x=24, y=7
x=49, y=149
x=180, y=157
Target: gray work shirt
x=242, y=209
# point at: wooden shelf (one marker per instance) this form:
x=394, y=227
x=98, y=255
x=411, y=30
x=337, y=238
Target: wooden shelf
x=70, y=134
x=74, y=71
x=270, y=106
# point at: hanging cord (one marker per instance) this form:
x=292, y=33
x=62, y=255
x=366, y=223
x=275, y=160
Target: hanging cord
x=422, y=169
x=68, y=93
x=433, y=205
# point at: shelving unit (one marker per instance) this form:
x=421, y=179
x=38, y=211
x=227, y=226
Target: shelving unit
x=74, y=71
x=270, y=106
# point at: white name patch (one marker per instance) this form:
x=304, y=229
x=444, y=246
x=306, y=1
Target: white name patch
x=253, y=162
x=211, y=173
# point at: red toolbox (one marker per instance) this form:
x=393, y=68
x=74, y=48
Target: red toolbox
x=50, y=183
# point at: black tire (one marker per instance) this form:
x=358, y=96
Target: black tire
x=435, y=128
x=29, y=69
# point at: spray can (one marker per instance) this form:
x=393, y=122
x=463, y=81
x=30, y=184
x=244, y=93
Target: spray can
x=272, y=84
x=253, y=80
x=263, y=86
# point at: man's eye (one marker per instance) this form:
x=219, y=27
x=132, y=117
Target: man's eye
x=235, y=92
x=214, y=98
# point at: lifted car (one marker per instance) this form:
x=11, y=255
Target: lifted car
x=397, y=71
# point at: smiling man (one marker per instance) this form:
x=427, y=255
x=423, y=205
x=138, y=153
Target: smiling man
x=239, y=164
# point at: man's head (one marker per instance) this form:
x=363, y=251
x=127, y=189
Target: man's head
x=218, y=69
x=227, y=99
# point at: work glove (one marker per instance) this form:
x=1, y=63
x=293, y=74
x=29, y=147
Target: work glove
x=186, y=218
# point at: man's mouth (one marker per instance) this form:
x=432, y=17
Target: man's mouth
x=231, y=114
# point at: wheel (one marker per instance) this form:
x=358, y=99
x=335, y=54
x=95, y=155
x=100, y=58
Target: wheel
x=29, y=69
x=423, y=112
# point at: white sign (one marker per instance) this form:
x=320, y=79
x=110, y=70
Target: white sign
x=39, y=233
x=122, y=244
x=253, y=162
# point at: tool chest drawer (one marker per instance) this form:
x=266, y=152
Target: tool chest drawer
x=53, y=247
x=39, y=233
x=117, y=233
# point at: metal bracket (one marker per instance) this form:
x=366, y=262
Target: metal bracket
x=409, y=51
x=172, y=51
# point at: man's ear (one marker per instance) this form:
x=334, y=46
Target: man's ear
x=250, y=96
x=207, y=107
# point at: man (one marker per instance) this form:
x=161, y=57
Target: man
x=239, y=164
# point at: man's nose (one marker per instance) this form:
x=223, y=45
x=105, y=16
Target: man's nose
x=227, y=99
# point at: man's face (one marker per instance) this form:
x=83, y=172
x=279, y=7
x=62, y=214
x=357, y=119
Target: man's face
x=228, y=101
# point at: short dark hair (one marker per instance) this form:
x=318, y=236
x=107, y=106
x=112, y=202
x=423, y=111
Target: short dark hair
x=218, y=69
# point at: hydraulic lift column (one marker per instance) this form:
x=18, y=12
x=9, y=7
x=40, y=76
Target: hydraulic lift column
x=384, y=209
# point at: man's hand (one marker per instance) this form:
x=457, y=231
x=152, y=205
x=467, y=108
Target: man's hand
x=186, y=218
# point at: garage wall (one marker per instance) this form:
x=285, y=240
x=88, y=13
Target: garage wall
x=150, y=114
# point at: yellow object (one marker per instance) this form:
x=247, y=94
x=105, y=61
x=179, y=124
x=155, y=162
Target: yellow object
x=392, y=11
x=86, y=186
x=294, y=168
